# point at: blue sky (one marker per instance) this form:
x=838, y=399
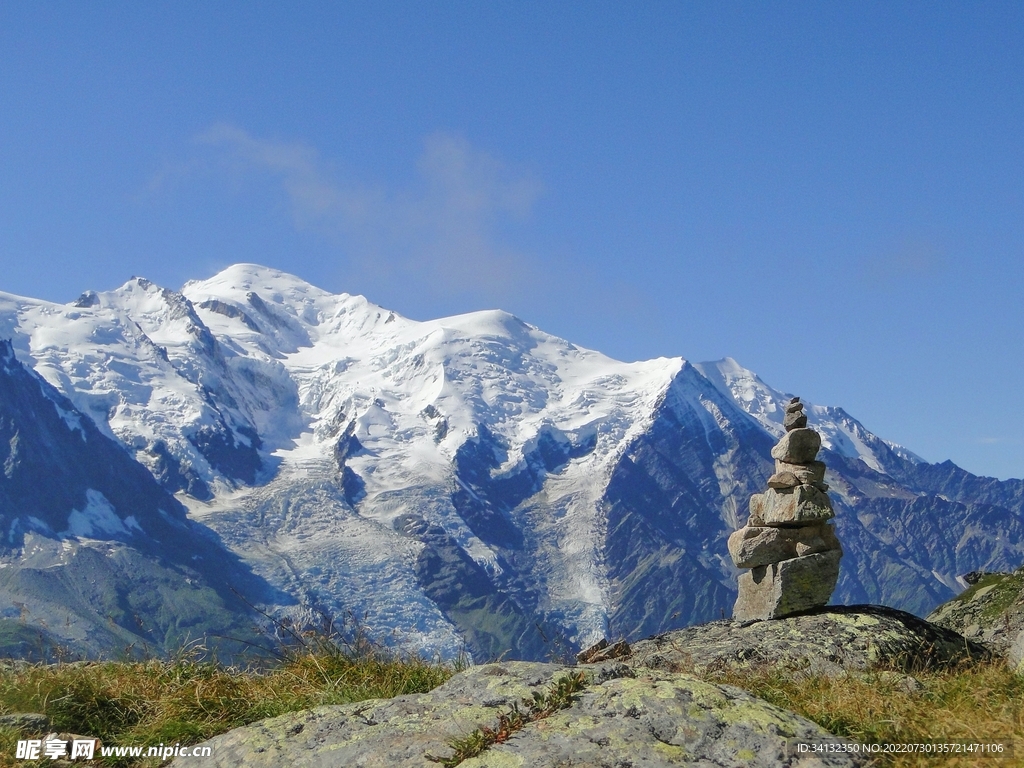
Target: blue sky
x=831, y=193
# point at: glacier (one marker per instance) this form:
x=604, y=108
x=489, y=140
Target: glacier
x=471, y=482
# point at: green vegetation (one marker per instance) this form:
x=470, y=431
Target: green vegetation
x=999, y=591
x=1005, y=592
x=559, y=696
x=23, y=642
x=187, y=700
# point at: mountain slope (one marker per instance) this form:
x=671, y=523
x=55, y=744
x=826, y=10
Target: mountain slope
x=472, y=479
x=95, y=554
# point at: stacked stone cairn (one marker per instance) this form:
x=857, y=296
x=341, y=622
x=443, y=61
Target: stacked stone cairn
x=788, y=544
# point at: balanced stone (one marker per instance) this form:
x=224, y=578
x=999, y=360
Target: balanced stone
x=786, y=587
x=753, y=547
x=794, y=406
x=799, y=446
x=755, y=520
x=795, y=420
x=802, y=505
x=811, y=472
x=784, y=480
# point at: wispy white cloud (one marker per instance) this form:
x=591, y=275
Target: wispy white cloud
x=909, y=260
x=443, y=231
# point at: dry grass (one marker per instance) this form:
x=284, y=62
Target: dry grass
x=980, y=702
x=186, y=700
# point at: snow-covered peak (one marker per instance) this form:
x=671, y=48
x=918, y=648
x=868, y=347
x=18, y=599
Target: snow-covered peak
x=354, y=360
x=273, y=284
x=748, y=390
x=840, y=432
x=256, y=354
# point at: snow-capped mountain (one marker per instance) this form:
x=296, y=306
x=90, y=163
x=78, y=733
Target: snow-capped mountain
x=470, y=479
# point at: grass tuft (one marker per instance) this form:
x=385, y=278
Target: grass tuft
x=187, y=699
x=979, y=703
x=542, y=704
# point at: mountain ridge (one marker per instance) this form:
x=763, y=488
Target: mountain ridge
x=474, y=479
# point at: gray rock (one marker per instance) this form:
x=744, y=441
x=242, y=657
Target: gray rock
x=1015, y=655
x=753, y=547
x=795, y=420
x=798, y=446
x=794, y=407
x=642, y=717
x=834, y=641
x=782, y=480
x=809, y=473
x=787, y=587
x=802, y=505
x=26, y=722
x=756, y=519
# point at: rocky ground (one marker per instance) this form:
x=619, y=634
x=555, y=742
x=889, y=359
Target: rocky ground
x=640, y=709
x=624, y=716
x=990, y=611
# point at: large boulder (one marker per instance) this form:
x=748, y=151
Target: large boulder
x=645, y=709
x=832, y=641
x=623, y=716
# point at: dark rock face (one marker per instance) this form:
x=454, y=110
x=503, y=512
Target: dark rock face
x=950, y=481
x=665, y=530
x=230, y=310
x=490, y=620
x=895, y=542
x=236, y=458
x=87, y=299
x=482, y=500
x=51, y=454
x=174, y=476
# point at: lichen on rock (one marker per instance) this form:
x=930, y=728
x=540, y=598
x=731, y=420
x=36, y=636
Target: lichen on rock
x=653, y=717
x=832, y=641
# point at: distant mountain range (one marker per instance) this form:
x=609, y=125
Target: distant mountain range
x=173, y=458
